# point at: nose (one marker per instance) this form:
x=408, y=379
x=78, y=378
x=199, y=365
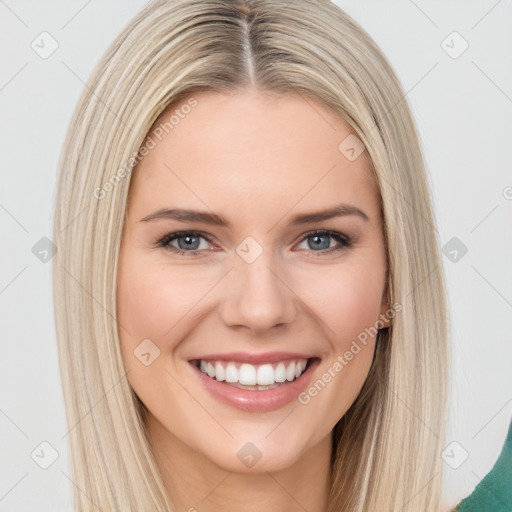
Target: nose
x=257, y=296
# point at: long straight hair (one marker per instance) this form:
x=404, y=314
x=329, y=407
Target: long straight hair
x=387, y=447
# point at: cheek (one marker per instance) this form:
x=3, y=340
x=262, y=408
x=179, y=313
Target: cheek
x=348, y=304
x=347, y=298
x=153, y=300
x=158, y=304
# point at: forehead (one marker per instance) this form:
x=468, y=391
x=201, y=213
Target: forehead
x=248, y=149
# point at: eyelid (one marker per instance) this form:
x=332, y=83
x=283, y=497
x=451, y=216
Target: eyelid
x=177, y=234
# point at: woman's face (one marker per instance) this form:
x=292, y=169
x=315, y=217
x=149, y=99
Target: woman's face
x=253, y=278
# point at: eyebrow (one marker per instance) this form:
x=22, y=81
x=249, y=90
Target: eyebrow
x=182, y=215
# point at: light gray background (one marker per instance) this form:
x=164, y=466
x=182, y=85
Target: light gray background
x=463, y=109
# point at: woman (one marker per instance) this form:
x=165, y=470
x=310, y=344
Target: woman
x=223, y=360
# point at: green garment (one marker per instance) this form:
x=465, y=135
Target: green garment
x=494, y=492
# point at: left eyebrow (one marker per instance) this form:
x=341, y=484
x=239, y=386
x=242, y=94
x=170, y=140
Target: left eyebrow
x=217, y=220
x=338, y=211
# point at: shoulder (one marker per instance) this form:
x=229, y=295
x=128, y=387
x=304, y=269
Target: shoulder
x=494, y=492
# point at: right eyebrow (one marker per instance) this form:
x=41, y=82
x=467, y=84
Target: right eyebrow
x=187, y=216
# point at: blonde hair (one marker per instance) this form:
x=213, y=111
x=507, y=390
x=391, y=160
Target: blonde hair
x=387, y=446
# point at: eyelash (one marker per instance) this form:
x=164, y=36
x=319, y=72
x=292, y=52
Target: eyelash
x=164, y=242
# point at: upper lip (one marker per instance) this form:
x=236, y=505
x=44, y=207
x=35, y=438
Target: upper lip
x=245, y=357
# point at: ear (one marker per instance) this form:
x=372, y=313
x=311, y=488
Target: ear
x=385, y=320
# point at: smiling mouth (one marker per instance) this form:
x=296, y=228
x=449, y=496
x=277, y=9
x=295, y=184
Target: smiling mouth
x=251, y=377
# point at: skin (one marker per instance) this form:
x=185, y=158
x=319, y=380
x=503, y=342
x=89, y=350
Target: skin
x=222, y=157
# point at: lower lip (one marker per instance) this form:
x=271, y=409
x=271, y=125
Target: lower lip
x=258, y=401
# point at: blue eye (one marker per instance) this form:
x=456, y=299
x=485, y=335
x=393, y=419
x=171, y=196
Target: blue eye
x=320, y=240
x=186, y=240
x=189, y=242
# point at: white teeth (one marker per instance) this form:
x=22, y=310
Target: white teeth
x=251, y=375
x=265, y=375
x=247, y=375
x=220, y=373
x=210, y=370
x=290, y=372
x=280, y=373
x=231, y=373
